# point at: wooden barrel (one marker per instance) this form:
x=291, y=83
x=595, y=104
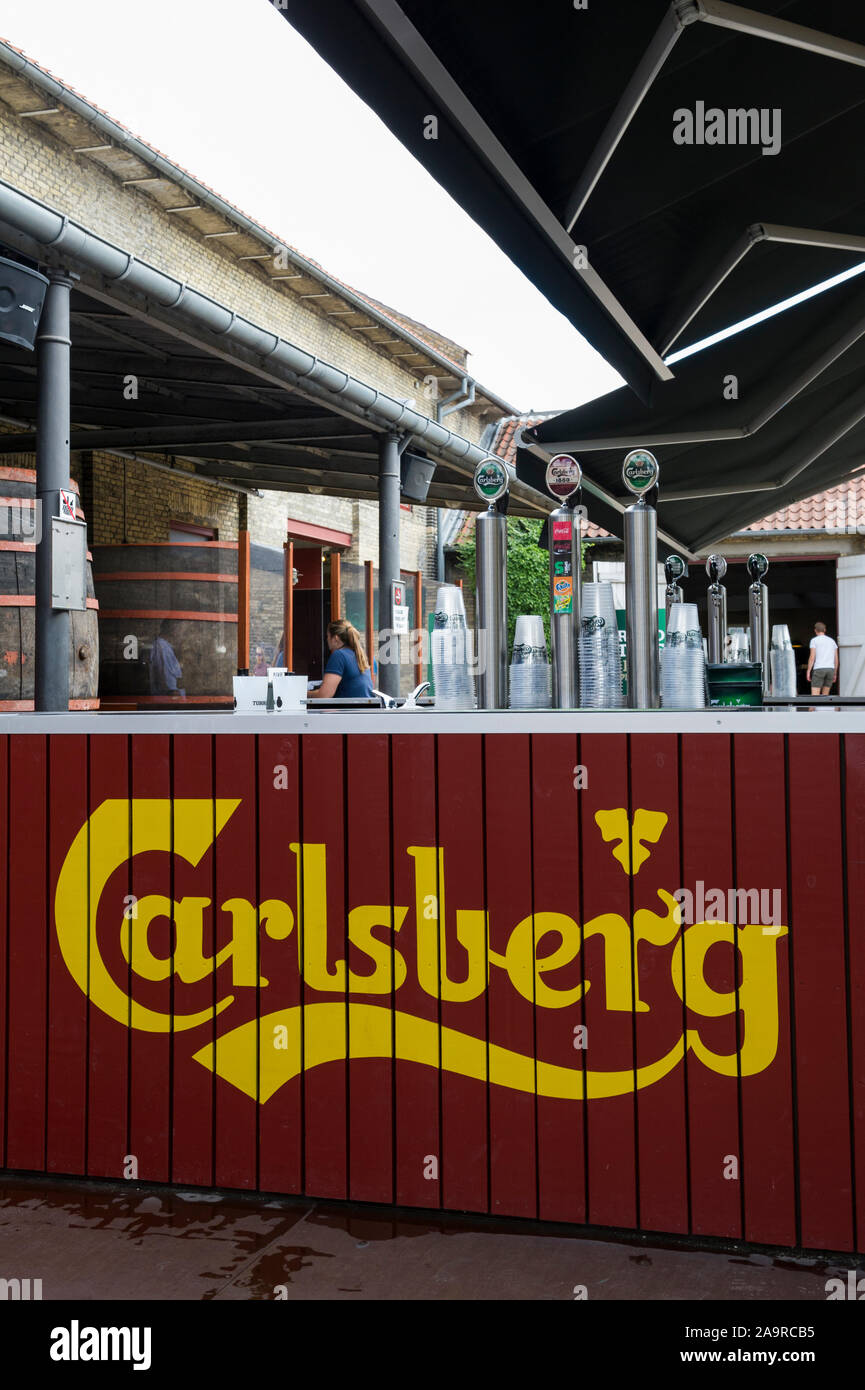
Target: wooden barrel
x=18, y=604
x=182, y=591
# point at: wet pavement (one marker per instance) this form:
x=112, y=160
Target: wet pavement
x=99, y=1241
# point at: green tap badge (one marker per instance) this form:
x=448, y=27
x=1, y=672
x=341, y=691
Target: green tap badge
x=640, y=471
x=491, y=479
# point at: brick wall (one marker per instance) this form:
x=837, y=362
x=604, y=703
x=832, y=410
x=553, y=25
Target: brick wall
x=46, y=168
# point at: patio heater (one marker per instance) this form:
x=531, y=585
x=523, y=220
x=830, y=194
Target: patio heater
x=491, y=484
x=716, y=602
x=640, y=475
x=564, y=478
x=758, y=614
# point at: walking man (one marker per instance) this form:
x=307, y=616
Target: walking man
x=823, y=661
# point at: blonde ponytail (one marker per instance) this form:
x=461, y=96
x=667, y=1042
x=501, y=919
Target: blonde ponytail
x=349, y=637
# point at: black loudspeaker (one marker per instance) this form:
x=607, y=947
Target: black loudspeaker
x=22, y=294
x=416, y=476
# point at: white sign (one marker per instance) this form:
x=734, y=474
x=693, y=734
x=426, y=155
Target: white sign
x=399, y=603
x=67, y=504
x=68, y=564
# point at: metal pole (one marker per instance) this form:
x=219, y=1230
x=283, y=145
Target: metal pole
x=491, y=534
x=388, y=558
x=53, y=625
x=564, y=627
x=641, y=606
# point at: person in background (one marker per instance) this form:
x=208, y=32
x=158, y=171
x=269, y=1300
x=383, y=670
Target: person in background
x=347, y=671
x=279, y=660
x=260, y=667
x=823, y=661
x=165, y=669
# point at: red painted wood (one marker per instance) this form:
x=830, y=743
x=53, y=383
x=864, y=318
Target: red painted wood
x=556, y=889
x=417, y=1133
x=67, y=1004
x=713, y=1115
x=326, y=1085
x=150, y=875
x=854, y=755
x=192, y=1099
x=819, y=993
x=4, y=942
x=606, y=889
x=767, y=1097
x=109, y=1041
x=508, y=833
x=662, y=1136
x=280, y=1124
x=235, y=1118
x=368, y=861
x=459, y=777
x=25, y=1135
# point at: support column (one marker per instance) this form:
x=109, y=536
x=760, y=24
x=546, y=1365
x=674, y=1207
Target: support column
x=388, y=558
x=243, y=586
x=52, y=473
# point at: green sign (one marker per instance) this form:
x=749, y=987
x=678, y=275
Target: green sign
x=623, y=640
x=640, y=471
x=491, y=480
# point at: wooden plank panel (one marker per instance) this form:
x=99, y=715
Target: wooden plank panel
x=559, y=1006
x=662, y=1134
x=323, y=917
x=67, y=1001
x=109, y=1038
x=192, y=1104
x=4, y=936
x=281, y=1116
x=372, y=964
x=606, y=916
x=462, y=926
x=150, y=886
x=713, y=1103
x=820, y=996
x=27, y=1001
x=513, y=1168
x=417, y=1131
x=236, y=915
x=854, y=831
x=769, y=1172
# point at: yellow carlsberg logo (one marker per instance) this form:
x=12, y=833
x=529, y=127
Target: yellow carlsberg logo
x=261, y=1055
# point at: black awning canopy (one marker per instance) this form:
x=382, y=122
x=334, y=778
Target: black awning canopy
x=557, y=126
x=759, y=420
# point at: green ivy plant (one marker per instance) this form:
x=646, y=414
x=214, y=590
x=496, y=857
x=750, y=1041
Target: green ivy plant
x=528, y=571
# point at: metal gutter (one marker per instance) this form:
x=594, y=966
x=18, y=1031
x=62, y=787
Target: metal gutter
x=119, y=135
x=70, y=244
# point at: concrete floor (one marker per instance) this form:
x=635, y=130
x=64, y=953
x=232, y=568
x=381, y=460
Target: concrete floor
x=93, y=1241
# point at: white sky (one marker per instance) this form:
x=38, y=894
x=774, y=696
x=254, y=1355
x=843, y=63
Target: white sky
x=231, y=93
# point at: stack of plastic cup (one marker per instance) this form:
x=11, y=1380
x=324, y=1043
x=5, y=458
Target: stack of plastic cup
x=683, y=661
x=450, y=651
x=740, y=646
x=782, y=660
x=530, y=665
x=598, y=650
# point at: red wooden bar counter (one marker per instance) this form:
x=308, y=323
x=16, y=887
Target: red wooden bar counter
x=436, y=960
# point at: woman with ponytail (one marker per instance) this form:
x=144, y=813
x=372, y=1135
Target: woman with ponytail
x=347, y=671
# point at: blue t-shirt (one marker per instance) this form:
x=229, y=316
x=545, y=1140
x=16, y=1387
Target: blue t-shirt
x=354, y=684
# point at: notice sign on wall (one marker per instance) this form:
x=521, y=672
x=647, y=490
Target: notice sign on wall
x=399, y=605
